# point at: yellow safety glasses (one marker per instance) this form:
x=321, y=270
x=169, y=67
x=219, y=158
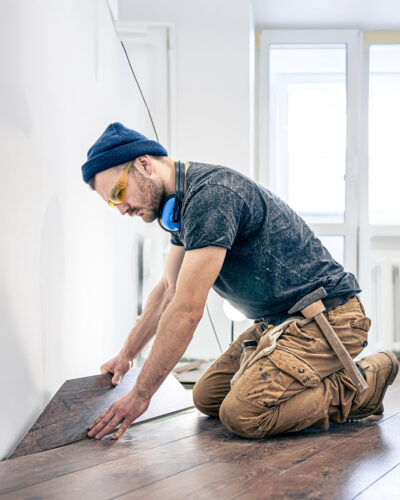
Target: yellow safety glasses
x=119, y=192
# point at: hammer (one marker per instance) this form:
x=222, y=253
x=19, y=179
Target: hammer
x=312, y=307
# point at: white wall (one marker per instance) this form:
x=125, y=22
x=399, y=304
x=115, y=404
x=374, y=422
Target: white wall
x=213, y=43
x=68, y=269
x=212, y=54
x=213, y=48
x=67, y=261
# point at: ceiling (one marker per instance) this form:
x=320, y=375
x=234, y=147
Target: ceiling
x=371, y=14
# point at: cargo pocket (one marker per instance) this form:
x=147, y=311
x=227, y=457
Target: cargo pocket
x=303, y=340
x=361, y=323
x=360, y=328
x=293, y=374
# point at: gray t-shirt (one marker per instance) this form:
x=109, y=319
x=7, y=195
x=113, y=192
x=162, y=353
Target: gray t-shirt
x=273, y=258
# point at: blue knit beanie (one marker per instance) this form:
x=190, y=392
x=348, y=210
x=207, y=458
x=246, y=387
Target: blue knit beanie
x=115, y=146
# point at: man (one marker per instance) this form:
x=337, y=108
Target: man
x=246, y=243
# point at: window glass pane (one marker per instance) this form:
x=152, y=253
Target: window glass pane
x=308, y=128
x=335, y=245
x=384, y=151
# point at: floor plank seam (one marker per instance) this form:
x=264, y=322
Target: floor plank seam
x=281, y=473
x=376, y=480
x=158, y=480
x=252, y=444
x=156, y=420
x=12, y=490
x=78, y=401
x=256, y=443
x=343, y=437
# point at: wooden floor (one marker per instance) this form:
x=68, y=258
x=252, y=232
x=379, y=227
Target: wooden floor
x=80, y=401
x=193, y=456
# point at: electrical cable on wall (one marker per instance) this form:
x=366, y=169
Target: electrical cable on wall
x=140, y=90
x=155, y=131
x=133, y=73
x=213, y=327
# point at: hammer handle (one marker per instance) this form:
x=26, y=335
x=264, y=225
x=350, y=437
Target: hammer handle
x=341, y=352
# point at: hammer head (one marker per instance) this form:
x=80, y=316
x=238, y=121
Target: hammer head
x=318, y=294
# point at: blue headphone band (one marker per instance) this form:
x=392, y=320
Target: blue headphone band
x=169, y=216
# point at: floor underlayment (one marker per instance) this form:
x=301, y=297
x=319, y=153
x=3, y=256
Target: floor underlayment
x=80, y=401
x=189, y=373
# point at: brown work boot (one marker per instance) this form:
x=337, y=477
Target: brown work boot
x=380, y=370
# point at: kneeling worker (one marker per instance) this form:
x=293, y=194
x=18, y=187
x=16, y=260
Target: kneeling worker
x=230, y=233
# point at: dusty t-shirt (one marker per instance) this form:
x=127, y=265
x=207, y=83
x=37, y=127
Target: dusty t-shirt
x=273, y=258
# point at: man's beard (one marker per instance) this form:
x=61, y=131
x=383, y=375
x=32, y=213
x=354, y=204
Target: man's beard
x=153, y=192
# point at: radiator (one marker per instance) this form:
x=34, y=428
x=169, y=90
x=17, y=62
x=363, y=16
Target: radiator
x=385, y=302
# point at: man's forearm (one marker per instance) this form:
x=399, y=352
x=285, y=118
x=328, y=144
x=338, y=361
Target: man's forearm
x=193, y=273
x=174, y=333
x=146, y=327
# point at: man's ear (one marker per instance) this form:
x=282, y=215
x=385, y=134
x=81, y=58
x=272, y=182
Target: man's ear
x=144, y=165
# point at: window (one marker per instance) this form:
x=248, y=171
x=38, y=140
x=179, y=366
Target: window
x=384, y=148
x=329, y=106
x=308, y=128
x=307, y=123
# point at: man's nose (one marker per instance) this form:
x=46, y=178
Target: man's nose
x=123, y=208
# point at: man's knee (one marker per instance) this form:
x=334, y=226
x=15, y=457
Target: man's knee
x=202, y=400
x=241, y=418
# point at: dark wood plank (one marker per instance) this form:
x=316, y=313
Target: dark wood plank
x=119, y=476
x=215, y=443
x=254, y=470
x=31, y=469
x=212, y=463
x=227, y=475
x=78, y=402
x=24, y=471
x=342, y=471
x=387, y=486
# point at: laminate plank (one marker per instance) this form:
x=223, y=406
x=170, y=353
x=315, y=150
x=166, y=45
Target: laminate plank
x=196, y=456
x=343, y=471
x=31, y=469
x=116, y=477
x=93, y=382
x=79, y=402
x=267, y=459
x=61, y=461
x=388, y=486
x=228, y=475
x=189, y=378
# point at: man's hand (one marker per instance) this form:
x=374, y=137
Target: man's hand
x=124, y=412
x=118, y=366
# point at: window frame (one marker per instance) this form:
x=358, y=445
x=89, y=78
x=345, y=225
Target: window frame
x=357, y=230
x=354, y=168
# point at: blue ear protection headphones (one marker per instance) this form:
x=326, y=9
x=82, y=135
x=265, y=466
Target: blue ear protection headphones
x=169, y=216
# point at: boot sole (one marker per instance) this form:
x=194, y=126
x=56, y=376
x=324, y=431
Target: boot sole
x=378, y=409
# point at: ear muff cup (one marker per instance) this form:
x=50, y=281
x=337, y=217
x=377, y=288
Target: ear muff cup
x=169, y=216
x=166, y=216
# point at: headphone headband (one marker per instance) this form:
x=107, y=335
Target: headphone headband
x=179, y=190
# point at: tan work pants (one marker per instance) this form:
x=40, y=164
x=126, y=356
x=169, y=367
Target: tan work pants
x=300, y=384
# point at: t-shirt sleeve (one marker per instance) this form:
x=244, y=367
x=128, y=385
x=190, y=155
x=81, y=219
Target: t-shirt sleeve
x=212, y=218
x=175, y=240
